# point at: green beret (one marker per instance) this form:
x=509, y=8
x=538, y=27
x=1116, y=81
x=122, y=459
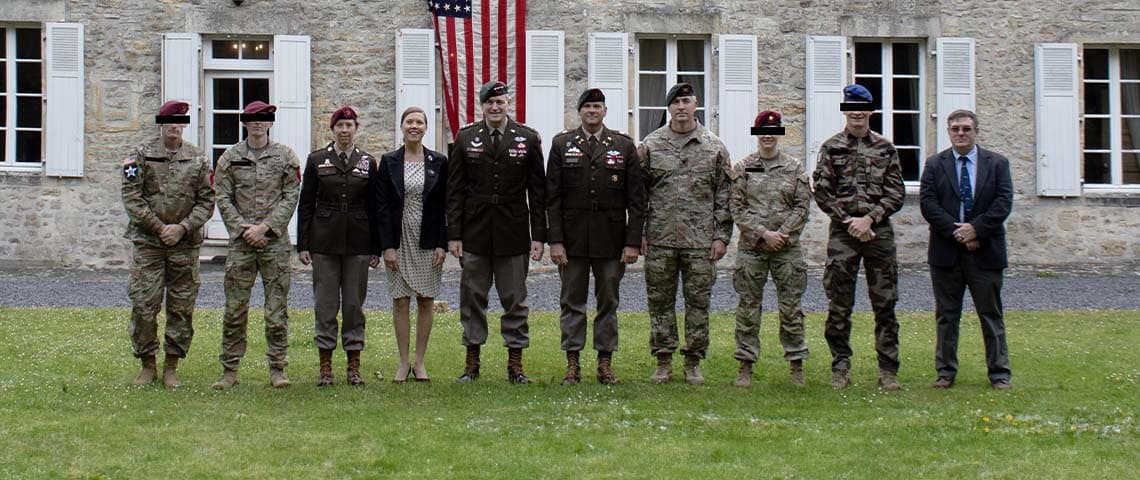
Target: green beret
x=591, y=95
x=679, y=90
x=492, y=89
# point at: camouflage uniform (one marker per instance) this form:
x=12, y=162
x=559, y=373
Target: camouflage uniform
x=769, y=194
x=162, y=188
x=687, y=180
x=860, y=177
x=257, y=187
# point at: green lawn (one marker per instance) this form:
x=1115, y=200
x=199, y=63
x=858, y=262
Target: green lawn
x=67, y=411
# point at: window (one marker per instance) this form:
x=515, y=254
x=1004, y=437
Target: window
x=661, y=63
x=1111, y=150
x=21, y=97
x=238, y=71
x=892, y=71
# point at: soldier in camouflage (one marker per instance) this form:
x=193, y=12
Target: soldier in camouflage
x=859, y=185
x=769, y=202
x=257, y=184
x=687, y=229
x=167, y=195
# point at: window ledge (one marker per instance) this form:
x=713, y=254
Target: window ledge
x=1113, y=195
x=21, y=176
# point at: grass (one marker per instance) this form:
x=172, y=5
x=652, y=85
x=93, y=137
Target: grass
x=66, y=410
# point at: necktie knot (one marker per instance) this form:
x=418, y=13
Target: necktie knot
x=343, y=157
x=495, y=136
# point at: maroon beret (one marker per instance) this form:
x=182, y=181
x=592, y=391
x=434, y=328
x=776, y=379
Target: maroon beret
x=173, y=112
x=258, y=111
x=344, y=113
x=768, y=122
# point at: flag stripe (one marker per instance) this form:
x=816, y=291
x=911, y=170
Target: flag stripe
x=470, y=69
x=485, y=34
x=520, y=61
x=453, y=69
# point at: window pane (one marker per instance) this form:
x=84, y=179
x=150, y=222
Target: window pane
x=905, y=58
x=1130, y=133
x=1096, y=133
x=255, y=49
x=226, y=94
x=1096, y=98
x=868, y=58
x=908, y=158
x=906, y=129
x=691, y=55
x=1131, y=168
x=698, y=83
x=701, y=117
x=875, y=86
x=877, y=123
x=1130, y=98
x=28, y=112
x=652, y=54
x=28, y=147
x=3, y=148
x=1096, y=168
x=28, y=43
x=1096, y=63
x=225, y=129
x=255, y=89
x=225, y=49
x=906, y=93
x=1130, y=64
x=3, y=114
x=3, y=42
x=652, y=90
x=28, y=77
x=3, y=75
x=648, y=121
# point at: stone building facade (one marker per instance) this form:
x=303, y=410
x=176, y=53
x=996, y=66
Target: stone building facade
x=1055, y=84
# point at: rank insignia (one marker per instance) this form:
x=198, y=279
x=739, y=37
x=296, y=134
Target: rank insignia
x=476, y=142
x=615, y=178
x=130, y=171
x=327, y=164
x=520, y=139
x=362, y=164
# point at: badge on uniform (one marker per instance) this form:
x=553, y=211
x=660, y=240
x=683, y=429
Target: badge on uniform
x=518, y=151
x=327, y=164
x=615, y=178
x=476, y=142
x=362, y=164
x=520, y=139
x=130, y=171
x=614, y=158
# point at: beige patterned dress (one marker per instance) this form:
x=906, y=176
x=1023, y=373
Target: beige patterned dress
x=417, y=276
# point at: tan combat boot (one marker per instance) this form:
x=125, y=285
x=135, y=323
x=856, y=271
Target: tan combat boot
x=605, y=369
x=325, y=377
x=797, y=372
x=353, y=369
x=170, y=372
x=840, y=378
x=229, y=379
x=148, y=372
x=277, y=378
x=889, y=381
x=744, y=374
x=664, y=371
x=573, y=369
x=514, y=367
x=693, y=370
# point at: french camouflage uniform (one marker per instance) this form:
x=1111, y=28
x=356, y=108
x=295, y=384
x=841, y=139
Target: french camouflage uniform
x=596, y=208
x=687, y=180
x=769, y=195
x=162, y=188
x=253, y=187
x=857, y=177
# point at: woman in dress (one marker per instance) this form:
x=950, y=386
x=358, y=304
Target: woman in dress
x=411, y=190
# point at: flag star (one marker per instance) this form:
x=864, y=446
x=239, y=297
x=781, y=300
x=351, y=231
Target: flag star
x=467, y=8
x=447, y=7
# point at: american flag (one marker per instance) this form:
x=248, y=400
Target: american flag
x=479, y=41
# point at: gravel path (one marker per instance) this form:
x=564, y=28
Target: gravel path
x=1107, y=287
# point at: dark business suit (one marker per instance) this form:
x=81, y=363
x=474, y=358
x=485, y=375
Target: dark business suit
x=953, y=268
x=390, y=200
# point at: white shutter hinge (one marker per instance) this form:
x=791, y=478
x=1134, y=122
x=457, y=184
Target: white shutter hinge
x=933, y=53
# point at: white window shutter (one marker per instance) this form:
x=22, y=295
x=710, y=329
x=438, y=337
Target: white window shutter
x=1058, y=146
x=608, y=70
x=545, y=82
x=291, y=93
x=64, y=116
x=180, y=72
x=826, y=75
x=737, y=87
x=955, y=82
x=415, y=74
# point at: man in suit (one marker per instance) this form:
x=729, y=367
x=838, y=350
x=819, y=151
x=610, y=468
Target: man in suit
x=966, y=195
x=596, y=207
x=496, y=214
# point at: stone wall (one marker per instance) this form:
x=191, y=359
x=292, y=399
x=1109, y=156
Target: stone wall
x=79, y=222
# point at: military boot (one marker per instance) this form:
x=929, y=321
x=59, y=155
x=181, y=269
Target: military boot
x=605, y=370
x=797, y=372
x=664, y=371
x=149, y=371
x=353, y=369
x=573, y=369
x=889, y=381
x=693, y=370
x=744, y=374
x=170, y=372
x=325, y=377
x=229, y=379
x=514, y=367
x=277, y=378
x=471, y=372
x=840, y=378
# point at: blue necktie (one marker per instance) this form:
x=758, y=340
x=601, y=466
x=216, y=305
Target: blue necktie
x=965, y=191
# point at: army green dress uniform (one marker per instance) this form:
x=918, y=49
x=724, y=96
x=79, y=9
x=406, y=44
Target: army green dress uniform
x=165, y=188
x=253, y=187
x=596, y=207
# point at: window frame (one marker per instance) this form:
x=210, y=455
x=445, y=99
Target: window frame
x=1115, y=118
x=704, y=106
x=236, y=64
x=887, y=76
x=11, y=93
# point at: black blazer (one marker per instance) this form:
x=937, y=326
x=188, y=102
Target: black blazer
x=993, y=200
x=389, y=193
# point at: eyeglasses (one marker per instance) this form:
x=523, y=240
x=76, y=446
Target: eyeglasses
x=961, y=129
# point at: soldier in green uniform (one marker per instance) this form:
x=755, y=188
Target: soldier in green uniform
x=859, y=185
x=596, y=207
x=769, y=202
x=257, y=183
x=167, y=195
x=496, y=214
x=687, y=229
